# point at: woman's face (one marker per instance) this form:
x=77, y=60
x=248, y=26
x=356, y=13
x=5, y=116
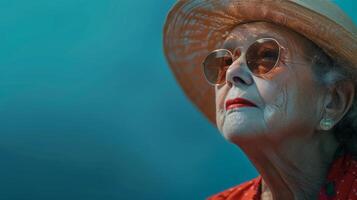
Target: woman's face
x=288, y=100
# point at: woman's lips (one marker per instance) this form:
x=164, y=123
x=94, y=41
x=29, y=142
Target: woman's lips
x=238, y=102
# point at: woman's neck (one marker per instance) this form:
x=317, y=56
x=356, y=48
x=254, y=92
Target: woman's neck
x=294, y=168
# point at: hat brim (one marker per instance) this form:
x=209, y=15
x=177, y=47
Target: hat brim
x=194, y=28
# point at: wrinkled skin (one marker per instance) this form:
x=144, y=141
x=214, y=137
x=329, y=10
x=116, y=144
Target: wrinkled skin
x=288, y=97
x=281, y=136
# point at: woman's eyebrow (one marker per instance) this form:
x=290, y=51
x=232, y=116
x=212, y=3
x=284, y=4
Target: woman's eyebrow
x=230, y=44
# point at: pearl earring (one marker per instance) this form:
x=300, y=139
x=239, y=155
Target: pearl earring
x=326, y=124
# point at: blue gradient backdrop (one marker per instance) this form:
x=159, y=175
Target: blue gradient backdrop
x=90, y=110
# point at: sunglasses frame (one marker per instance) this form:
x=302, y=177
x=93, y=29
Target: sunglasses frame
x=234, y=59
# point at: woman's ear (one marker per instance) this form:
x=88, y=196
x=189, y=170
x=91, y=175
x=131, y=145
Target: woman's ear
x=339, y=100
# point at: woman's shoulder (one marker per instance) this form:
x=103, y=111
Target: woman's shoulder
x=246, y=190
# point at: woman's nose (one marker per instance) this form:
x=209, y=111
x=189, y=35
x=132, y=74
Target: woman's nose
x=238, y=74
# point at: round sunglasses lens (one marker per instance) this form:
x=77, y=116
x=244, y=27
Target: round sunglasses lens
x=262, y=56
x=215, y=66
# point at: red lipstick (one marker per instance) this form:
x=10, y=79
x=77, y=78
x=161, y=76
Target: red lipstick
x=238, y=102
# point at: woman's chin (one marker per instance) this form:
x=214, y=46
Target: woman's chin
x=239, y=133
x=241, y=126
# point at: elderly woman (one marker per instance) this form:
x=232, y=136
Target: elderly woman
x=281, y=85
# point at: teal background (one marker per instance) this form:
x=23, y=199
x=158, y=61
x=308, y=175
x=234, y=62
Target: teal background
x=90, y=110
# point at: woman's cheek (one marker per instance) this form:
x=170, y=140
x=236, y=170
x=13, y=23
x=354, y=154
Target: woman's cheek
x=220, y=94
x=220, y=119
x=276, y=108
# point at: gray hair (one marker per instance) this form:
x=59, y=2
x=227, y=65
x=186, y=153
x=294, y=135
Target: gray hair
x=329, y=72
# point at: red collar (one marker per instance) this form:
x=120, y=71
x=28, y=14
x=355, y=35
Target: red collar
x=341, y=183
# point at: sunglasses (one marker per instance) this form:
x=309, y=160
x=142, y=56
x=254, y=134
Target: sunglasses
x=262, y=57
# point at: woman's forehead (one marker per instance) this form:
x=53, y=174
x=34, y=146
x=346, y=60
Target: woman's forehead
x=245, y=34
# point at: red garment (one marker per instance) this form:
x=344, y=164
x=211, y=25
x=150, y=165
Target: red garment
x=341, y=184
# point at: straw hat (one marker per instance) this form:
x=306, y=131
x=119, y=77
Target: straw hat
x=194, y=28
